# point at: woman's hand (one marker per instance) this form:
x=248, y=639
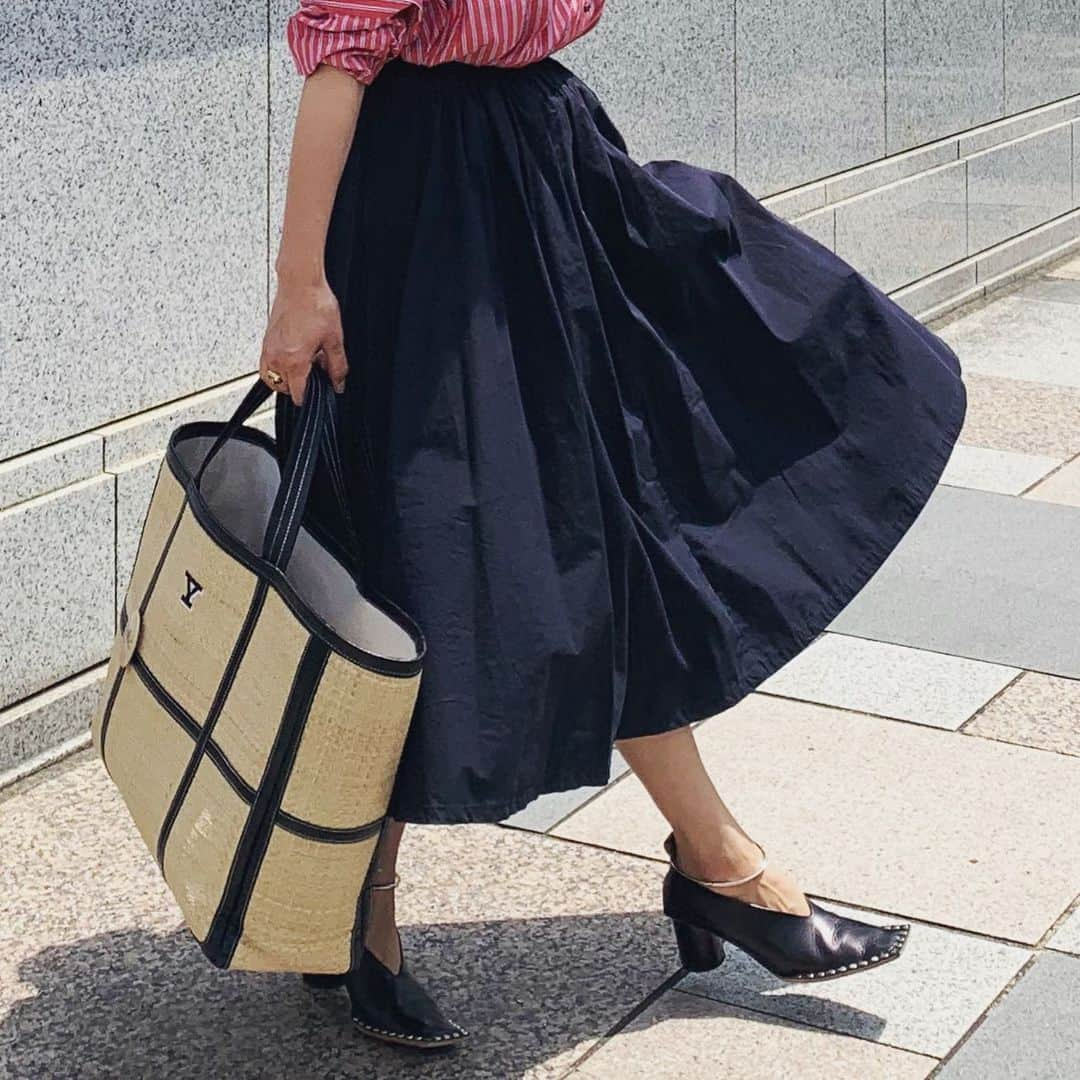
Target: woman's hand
x=304, y=329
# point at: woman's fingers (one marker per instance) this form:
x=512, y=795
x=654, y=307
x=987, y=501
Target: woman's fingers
x=335, y=363
x=268, y=369
x=297, y=384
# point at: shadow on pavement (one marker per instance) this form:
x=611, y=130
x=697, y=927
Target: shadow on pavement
x=533, y=992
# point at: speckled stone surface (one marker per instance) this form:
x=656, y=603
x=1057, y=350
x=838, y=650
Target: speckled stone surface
x=798, y=200
x=1062, y=487
x=42, y=471
x=1034, y=1033
x=889, y=680
x=1066, y=938
x=1002, y=260
x=1019, y=185
x=905, y=231
x=1042, y=51
x=134, y=487
x=888, y=171
x=285, y=86
x=945, y=285
x=57, y=605
x=1003, y=471
x=1068, y=268
x=683, y=1035
x=944, y=68
x=134, y=188
x=548, y=810
x=148, y=432
x=1020, y=337
x=535, y=946
x=49, y=718
x=1012, y=127
x=1023, y=417
x=1060, y=289
x=808, y=85
x=990, y=577
x=666, y=76
x=923, y=1001
x=850, y=804
x=1037, y=710
x=821, y=225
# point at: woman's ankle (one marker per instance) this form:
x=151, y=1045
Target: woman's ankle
x=381, y=934
x=728, y=854
x=717, y=854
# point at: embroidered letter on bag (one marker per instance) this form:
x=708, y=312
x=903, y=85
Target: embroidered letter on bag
x=193, y=587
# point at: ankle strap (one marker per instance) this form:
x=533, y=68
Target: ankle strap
x=388, y=885
x=669, y=847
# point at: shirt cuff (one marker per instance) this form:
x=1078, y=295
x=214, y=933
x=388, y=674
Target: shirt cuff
x=357, y=37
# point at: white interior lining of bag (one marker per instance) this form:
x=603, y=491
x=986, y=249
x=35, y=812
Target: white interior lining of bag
x=239, y=487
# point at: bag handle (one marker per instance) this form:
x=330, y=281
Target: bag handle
x=315, y=431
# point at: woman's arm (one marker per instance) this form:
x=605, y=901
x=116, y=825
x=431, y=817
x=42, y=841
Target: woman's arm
x=305, y=323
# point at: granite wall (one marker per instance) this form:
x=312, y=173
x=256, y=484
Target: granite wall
x=933, y=143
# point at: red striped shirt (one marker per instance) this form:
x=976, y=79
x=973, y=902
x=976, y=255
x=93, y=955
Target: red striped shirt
x=359, y=36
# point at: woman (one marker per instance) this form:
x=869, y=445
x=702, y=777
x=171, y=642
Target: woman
x=623, y=441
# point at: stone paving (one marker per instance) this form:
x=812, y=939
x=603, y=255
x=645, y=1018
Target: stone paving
x=920, y=761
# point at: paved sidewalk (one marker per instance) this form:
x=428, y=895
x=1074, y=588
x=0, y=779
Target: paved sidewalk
x=921, y=761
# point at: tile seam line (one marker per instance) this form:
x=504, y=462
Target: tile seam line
x=962, y=729
x=1070, y=909
x=978, y=1022
x=958, y=656
x=99, y=666
x=927, y=149
x=99, y=429
x=996, y=939
x=627, y=1019
x=929, y=1054
x=1053, y=472
x=865, y=712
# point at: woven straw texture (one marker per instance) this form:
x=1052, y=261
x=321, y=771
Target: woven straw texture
x=202, y=845
x=357, y=724
x=165, y=505
x=303, y=909
x=250, y=718
x=146, y=754
x=187, y=648
x=220, y=788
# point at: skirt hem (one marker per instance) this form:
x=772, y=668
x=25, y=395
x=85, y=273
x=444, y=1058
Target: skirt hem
x=918, y=493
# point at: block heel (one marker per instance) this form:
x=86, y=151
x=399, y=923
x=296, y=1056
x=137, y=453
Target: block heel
x=699, y=950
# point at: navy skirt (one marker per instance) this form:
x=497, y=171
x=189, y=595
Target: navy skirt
x=622, y=440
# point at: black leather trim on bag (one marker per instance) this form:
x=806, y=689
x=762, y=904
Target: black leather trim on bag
x=269, y=568
x=107, y=714
x=237, y=654
x=323, y=834
x=281, y=534
x=228, y=923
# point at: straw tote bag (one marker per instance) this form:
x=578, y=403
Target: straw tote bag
x=257, y=700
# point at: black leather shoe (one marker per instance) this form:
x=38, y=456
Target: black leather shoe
x=797, y=948
x=391, y=1006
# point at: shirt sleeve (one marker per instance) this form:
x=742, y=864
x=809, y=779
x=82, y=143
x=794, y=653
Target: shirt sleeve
x=357, y=36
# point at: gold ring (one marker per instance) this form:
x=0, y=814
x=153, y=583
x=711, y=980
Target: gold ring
x=274, y=377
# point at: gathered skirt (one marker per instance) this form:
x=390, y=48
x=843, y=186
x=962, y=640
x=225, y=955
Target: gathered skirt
x=622, y=440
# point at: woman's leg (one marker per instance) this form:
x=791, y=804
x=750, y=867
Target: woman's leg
x=710, y=842
x=380, y=936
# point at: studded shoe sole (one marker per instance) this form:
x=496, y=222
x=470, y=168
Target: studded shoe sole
x=441, y=1042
